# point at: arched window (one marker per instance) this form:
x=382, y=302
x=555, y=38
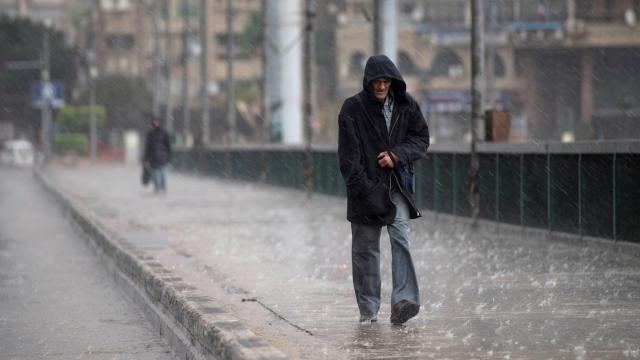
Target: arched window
x=406, y=64
x=356, y=64
x=447, y=64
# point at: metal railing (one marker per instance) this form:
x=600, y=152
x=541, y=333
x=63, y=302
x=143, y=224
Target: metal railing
x=588, y=189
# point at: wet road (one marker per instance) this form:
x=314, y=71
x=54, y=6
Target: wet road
x=482, y=298
x=56, y=301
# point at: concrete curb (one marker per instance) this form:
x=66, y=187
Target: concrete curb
x=195, y=325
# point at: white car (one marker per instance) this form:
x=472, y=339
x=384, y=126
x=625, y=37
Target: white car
x=19, y=153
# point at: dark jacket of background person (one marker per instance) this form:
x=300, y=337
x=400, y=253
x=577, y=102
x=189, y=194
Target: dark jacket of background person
x=157, y=151
x=362, y=136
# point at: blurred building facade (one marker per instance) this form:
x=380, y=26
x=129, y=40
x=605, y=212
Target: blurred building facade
x=59, y=14
x=564, y=69
x=124, y=36
x=154, y=40
x=132, y=37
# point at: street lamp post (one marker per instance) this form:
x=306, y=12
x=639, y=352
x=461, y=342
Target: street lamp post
x=231, y=85
x=186, y=38
x=309, y=90
x=168, y=63
x=204, y=71
x=47, y=96
x=93, y=74
x=477, y=87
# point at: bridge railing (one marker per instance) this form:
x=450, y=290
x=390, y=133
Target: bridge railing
x=588, y=189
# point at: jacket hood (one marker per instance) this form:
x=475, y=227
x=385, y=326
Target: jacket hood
x=381, y=66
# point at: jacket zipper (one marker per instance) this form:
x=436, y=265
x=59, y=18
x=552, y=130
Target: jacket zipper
x=393, y=124
x=393, y=175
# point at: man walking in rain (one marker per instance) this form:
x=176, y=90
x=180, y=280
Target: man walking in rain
x=157, y=155
x=382, y=132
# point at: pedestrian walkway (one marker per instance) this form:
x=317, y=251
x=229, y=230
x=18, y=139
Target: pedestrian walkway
x=280, y=262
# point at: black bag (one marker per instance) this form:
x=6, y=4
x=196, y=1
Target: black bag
x=405, y=175
x=146, y=174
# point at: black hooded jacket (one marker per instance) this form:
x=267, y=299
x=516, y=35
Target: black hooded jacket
x=363, y=135
x=157, y=150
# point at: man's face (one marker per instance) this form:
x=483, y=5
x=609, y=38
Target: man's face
x=380, y=88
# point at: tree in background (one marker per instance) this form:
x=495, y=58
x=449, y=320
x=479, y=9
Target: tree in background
x=77, y=118
x=250, y=37
x=74, y=123
x=22, y=40
x=126, y=102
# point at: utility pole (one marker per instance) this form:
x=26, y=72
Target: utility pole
x=477, y=87
x=92, y=113
x=46, y=86
x=204, y=70
x=490, y=58
x=91, y=59
x=266, y=123
x=92, y=106
x=309, y=91
x=284, y=69
x=385, y=30
x=377, y=27
x=186, y=30
x=168, y=63
x=231, y=84
x=265, y=133
x=270, y=70
x=157, y=60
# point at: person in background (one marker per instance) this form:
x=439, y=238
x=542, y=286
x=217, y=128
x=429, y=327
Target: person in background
x=157, y=155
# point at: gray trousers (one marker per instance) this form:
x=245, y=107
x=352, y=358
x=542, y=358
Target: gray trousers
x=159, y=178
x=365, y=260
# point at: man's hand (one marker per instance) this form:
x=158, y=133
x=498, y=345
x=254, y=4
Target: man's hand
x=385, y=160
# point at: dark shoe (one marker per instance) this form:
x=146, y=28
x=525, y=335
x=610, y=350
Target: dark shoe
x=403, y=311
x=369, y=318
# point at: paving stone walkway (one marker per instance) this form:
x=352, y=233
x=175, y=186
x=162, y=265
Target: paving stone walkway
x=280, y=262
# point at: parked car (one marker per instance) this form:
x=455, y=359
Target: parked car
x=19, y=153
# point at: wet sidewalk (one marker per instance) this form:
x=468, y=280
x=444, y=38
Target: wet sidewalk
x=280, y=263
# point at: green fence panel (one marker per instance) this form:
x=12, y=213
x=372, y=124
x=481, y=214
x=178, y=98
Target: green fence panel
x=326, y=173
x=214, y=163
x=425, y=180
x=564, y=195
x=286, y=168
x=461, y=204
x=443, y=193
x=186, y=161
x=423, y=187
x=487, y=181
x=535, y=191
x=246, y=165
x=274, y=174
x=509, y=200
x=597, y=195
x=321, y=184
x=179, y=161
x=199, y=163
x=627, y=197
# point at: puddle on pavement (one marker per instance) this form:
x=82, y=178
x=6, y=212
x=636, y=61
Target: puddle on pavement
x=105, y=212
x=147, y=239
